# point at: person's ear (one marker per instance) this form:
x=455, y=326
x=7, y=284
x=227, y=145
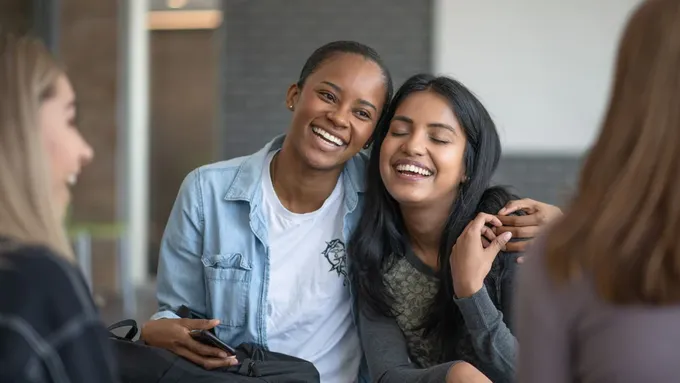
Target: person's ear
x=292, y=96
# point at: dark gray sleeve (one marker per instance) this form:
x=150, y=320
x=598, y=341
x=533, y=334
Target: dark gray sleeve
x=493, y=342
x=542, y=325
x=387, y=356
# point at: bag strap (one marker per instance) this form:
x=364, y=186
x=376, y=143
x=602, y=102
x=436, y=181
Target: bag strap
x=125, y=323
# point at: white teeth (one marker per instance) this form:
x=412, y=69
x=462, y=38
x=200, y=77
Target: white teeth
x=328, y=136
x=72, y=179
x=414, y=169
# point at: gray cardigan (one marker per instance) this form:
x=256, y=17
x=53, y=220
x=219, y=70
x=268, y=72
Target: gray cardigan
x=495, y=346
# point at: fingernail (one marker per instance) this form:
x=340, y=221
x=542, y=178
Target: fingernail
x=223, y=355
x=502, y=211
x=507, y=235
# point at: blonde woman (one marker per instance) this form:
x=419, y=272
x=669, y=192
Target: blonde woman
x=49, y=326
x=599, y=301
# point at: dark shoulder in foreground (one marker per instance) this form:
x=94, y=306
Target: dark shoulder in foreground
x=42, y=281
x=48, y=321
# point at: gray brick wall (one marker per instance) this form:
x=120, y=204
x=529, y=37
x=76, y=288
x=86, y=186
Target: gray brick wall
x=268, y=41
x=546, y=178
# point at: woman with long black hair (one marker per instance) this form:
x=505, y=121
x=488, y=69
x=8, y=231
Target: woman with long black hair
x=433, y=287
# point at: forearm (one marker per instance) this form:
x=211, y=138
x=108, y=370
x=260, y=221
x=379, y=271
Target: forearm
x=492, y=339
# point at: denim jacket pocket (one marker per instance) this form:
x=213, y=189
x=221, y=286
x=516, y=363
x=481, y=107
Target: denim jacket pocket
x=228, y=282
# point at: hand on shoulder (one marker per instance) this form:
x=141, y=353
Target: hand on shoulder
x=526, y=227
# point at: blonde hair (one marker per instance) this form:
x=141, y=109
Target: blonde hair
x=621, y=228
x=28, y=74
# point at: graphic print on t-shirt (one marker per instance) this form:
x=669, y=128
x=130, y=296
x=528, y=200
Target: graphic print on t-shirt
x=337, y=256
x=309, y=307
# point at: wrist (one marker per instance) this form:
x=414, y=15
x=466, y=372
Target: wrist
x=466, y=289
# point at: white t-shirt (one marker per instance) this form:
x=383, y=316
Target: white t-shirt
x=309, y=306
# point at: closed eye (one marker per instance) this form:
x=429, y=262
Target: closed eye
x=398, y=130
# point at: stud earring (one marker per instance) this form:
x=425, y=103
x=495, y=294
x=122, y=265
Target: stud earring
x=290, y=107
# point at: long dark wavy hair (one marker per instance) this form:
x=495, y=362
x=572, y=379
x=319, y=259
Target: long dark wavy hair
x=381, y=235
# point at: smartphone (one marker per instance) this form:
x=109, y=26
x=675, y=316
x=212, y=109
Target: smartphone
x=208, y=338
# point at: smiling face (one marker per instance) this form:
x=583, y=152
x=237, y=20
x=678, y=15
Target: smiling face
x=336, y=110
x=421, y=157
x=66, y=149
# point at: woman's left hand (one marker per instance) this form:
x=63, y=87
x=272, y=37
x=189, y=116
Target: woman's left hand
x=470, y=259
x=527, y=226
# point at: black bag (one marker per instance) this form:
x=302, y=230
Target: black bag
x=141, y=363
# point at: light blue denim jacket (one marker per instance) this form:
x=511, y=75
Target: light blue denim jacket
x=214, y=255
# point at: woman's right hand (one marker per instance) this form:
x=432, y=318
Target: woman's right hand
x=470, y=259
x=464, y=372
x=174, y=335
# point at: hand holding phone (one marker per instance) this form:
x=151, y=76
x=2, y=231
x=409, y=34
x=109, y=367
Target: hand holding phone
x=208, y=338
x=175, y=335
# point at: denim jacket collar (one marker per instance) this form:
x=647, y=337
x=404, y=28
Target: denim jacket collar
x=246, y=183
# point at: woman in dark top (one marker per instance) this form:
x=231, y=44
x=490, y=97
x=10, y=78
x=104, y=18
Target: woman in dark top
x=599, y=300
x=49, y=326
x=432, y=311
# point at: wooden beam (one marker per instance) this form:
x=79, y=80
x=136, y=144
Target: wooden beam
x=176, y=20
